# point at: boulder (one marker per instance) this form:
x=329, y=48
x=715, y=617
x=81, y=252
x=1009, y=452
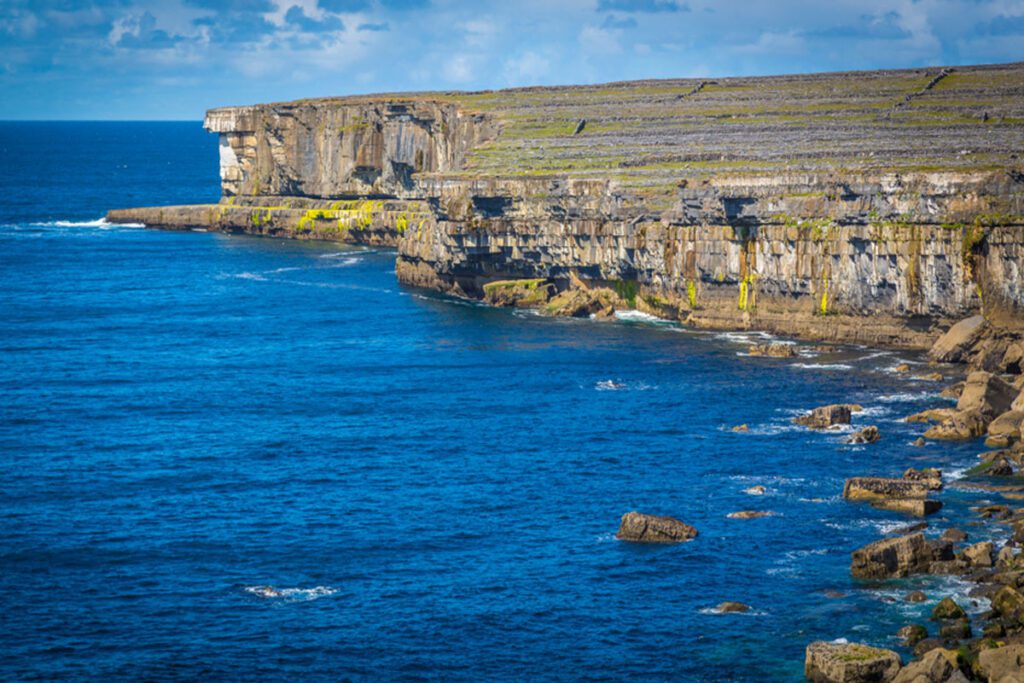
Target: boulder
x=916, y=507
x=912, y=634
x=932, y=415
x=948, y=610
x=961, y=426
x=953, y=346
x=755, y=490
x=741, y=428
x=954, y=535
x=919, y=442
x=1006, y=558
x=582, y=302
x=958, y=630
x=953, y=391
x=1009, y=603
x=1002, y=664
x=891, y=558
x=773, y=350
x=987, y=394
x=931, y=476
x=999, y=468
x=915, y=596
x=1005, y=429
x=930, y=377
x=826, y=416
x=876, y=488
x=849, y=663
x=979, y=554
x=1013, y=358
x=1018, y=403
x=867, y=435
x=902, y=367
x=642, y=528
x=731, y=607
x=518, y=293
x=933, y=667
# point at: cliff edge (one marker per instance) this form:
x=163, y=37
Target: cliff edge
x=874, y=207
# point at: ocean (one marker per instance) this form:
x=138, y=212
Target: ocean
x=239, y=458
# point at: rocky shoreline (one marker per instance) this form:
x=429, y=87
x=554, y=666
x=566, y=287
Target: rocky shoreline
x=952, y=647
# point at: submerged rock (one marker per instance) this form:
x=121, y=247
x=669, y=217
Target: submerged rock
x=930, y=377
x=826, y=416
x=917, y=507
x=892, y=558
x=750, y=514
x=773, y=350
x=915, y=596
x=902, y=367
x=867, y=435
x=642, y=528
x=732, y=607
x=849, y=663
x=755, y=490
x=741, y=428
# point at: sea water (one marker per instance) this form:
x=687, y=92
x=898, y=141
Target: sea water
x=231, y=457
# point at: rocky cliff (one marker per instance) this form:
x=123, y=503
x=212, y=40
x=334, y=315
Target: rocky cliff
x=874, y=207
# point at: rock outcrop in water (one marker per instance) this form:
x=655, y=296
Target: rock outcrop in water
x=641, y=528
x=796, y=204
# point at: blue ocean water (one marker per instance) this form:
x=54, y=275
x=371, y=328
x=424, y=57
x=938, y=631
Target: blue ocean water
x=239, y=458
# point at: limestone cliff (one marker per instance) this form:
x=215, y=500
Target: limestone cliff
x=873, y=206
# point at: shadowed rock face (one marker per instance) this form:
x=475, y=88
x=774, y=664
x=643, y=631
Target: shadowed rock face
x=796, y=204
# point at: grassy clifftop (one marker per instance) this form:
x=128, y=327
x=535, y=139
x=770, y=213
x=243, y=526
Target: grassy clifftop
x=649, y=135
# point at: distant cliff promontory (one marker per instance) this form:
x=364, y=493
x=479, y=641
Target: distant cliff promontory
x=875, y=207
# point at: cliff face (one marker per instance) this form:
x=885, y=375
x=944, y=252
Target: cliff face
x=873, y=207
x=332, y=150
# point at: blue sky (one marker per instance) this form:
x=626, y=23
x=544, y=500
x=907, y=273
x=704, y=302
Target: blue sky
x=173, y=59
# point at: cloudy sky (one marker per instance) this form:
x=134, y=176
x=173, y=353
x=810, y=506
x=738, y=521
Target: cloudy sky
x=173, y=59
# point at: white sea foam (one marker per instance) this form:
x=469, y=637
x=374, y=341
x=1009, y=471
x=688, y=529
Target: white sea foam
x=256, y=277
x=748, y=613
x=875, y=411
x=640, y=317
x=613, y=385
x=747, y=337
x=291, y=594
x=98, y=223
x=908, y=397
x=823, y=366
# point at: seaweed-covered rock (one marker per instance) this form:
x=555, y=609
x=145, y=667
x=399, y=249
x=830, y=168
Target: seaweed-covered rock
x=1009, y=602
x=642, y=528
x=518, y=293
x=892, y=558
x=912, y=634
x=947, y=610
x=849, y=663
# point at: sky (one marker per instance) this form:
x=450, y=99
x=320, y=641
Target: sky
x=173, y=59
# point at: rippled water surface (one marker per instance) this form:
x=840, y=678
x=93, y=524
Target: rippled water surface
x=233, y=457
